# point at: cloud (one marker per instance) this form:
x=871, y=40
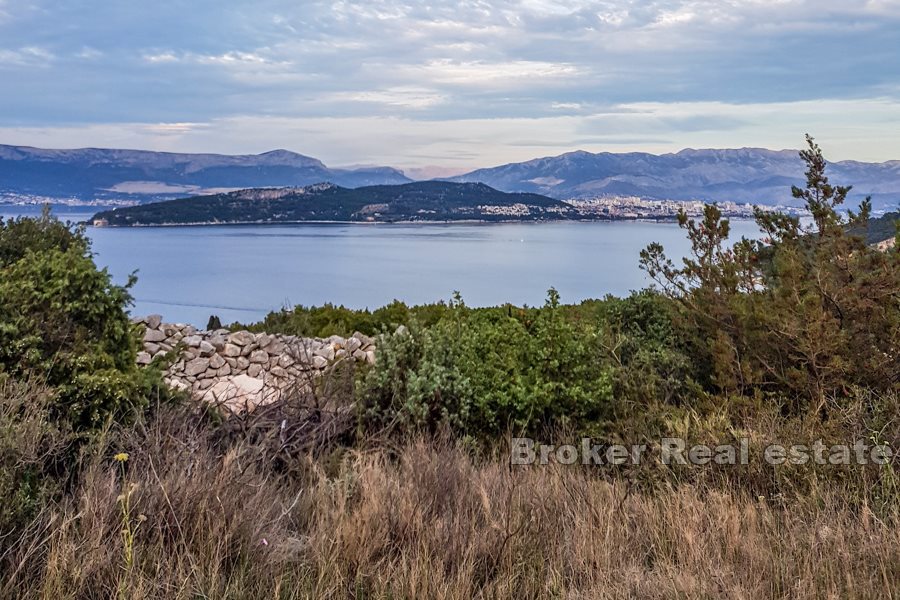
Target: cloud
x=601, y=71
x=406, y=97
x=28, y=56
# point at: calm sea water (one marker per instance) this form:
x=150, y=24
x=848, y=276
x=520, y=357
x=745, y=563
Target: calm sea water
x=242, y=272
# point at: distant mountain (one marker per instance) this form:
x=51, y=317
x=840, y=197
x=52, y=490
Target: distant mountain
x=747, y=175
x=92, y=173
x=421, y=201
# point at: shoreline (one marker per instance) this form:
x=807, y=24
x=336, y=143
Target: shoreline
x=672, y=219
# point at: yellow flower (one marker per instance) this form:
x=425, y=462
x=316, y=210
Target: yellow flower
x=121, y=456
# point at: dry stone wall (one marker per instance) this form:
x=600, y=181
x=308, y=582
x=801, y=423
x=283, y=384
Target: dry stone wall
x=240, y=370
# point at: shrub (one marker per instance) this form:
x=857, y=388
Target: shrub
x=64, y=320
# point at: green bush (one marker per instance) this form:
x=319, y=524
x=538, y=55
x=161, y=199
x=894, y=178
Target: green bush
x=62, y=319
x=485, y=371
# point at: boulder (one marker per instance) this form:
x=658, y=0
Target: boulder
x=143, y=358
x=224, y=371
x=240, y=393
x=207, y=349
x=218, y=342
x=231, y=350
x=154, y=335
x=192, y=341
x=353, y=344
x=254, y=370
x=196, y=366
x=151, y=347
x=326, y=352
x=241, y=338
x=242, y=363
x=216, y=362
x=320, y=362
x=153, y=321
x=259, y=356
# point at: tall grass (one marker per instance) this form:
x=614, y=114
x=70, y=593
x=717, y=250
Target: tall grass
x=423, y=520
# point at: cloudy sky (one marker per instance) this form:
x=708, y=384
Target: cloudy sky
x=451, y=84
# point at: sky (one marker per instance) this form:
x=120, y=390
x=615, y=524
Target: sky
x=441, y=87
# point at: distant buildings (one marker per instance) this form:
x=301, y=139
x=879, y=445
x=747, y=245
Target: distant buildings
x=634, y=207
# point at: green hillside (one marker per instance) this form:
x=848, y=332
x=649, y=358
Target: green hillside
x=421, y=201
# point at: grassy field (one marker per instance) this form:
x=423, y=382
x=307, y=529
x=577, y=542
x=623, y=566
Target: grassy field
x=188, y=514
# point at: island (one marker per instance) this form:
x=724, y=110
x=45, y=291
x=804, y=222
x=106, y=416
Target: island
x=326, y=202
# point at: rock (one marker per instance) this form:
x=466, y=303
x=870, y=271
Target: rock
x=243, y=362
x=285, y=361
x=151, y=347
x=278, y=372
x=254, y=370
x=154, y=335
x=241, y=338
x=239, y=393
x=264, y=340
x=223, y=371
x=340, y=353
x=249, y=349
x=353, y=344
x=231, y=350
x=196, y=366
x=320, y=362
x=177, y=384
x=359, y=355
x=205, y=383
x=166, y=346
x=216, y=362
x=161, y=355
x=218, y=342
x=259, y=356
x=207, y=349
x=326, y=352
x=370, y=357
x=231, y=362
x=153, y=321
x=192, y=341
x=143, y=358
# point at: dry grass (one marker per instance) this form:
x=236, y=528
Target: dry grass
x=426, y=521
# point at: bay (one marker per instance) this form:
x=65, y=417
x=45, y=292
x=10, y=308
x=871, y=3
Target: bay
x=242, y=272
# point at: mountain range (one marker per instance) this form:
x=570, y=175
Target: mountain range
x=751, y=175
x=92, y=173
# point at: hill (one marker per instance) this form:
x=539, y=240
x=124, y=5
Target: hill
x=750, y=175
x=92, y=173
x=421, y=201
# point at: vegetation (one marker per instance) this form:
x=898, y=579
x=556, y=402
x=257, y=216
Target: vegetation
x=393, y=480
x=421, y=201
x=62, y=320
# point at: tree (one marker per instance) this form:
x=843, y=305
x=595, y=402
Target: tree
x=64, y=320
x=804, y=315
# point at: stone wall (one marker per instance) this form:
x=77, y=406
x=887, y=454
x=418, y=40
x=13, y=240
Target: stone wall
x=239, y=370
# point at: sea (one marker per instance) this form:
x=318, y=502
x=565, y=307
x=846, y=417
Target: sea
x=242, y=272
